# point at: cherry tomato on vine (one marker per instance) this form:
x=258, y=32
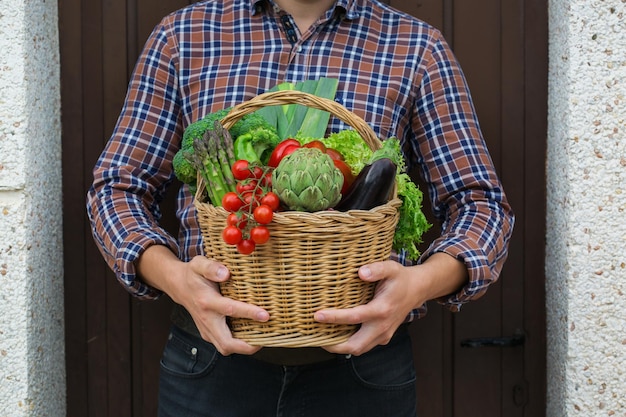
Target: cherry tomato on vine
x=241, y=169
x=270, y=199
x=250, y=200
x=246, y=185
x=257, y=172
x=232, y=219
x=266, y=181
x=260, y=234
x=237, y=219
x=263, y=214
x=232, y=235
x=231, y=201
x=246, y=246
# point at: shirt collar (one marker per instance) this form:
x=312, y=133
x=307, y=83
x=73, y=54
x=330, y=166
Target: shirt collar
x=348, y=8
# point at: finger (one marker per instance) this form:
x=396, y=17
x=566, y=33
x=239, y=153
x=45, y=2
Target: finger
x=209, y=269
x=233, y=308
x=216, y=331
x=238, y=346
x=354, y=315
x=377, y=271
x=364, y=340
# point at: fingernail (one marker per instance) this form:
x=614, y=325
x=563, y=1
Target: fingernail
x=320, y=316
x=262, y=316
x=366, y=272
x=222, y=272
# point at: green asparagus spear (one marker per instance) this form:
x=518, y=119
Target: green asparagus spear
x=211, y=170
x=215, y=144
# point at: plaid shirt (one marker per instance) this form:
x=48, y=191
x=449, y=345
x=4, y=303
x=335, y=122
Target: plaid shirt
x=394, y=71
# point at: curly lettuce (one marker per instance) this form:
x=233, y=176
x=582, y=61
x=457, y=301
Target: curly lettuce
x=412, y=223
x=350, y=144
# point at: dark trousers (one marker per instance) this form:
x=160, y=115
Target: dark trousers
x=197, y=381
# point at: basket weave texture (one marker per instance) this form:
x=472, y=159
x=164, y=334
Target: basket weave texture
x=311, y=260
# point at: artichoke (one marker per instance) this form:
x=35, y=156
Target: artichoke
x=307, y=180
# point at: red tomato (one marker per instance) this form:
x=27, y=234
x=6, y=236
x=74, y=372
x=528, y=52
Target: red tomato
x=277, y=153
x=246, y=185
x=257, y=172
x=348, y=176
x=266, y=181
x=334, y=154
x=263, y=214
x=260, y=234
x=237, y=219
x=246, y=246
x=317, y=144
x=270, y=199
x=250, y=200
x=231, y=201
x=232, y=219
x=241, y=169
x=232, y=235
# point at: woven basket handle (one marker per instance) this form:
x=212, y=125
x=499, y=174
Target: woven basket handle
x=279, y=98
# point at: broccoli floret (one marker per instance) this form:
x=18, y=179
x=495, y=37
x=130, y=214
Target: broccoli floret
x=256, y=145
x=248, y=123
x=183, y=169
x=198, y=128
x=254, y=138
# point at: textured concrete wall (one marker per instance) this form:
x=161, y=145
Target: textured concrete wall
x=32, y=367
x=586, y=220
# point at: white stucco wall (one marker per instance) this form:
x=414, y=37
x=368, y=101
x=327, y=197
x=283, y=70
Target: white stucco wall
x=586, y=219
x=32, y=367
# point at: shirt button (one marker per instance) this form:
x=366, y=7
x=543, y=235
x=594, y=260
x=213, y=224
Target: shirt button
x=299, y=48
x=194, y=351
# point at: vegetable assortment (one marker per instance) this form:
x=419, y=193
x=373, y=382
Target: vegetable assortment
x=252, y=170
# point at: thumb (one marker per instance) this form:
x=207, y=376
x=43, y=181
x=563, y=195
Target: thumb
x=377, y=271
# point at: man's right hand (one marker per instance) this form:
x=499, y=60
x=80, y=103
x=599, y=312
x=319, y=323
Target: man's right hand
x=194, y=285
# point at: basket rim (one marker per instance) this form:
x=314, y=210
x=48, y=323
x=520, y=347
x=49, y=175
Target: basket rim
x=323, y=216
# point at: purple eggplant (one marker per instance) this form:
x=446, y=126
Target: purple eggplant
x=371, y=188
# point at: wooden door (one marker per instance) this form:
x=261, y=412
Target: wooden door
x=113, y=342
x=488, y=360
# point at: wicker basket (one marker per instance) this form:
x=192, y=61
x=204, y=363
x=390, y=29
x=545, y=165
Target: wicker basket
x=311, y=259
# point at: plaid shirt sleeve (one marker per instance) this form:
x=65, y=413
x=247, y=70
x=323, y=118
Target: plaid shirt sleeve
x=134, y=170
x=466, y=194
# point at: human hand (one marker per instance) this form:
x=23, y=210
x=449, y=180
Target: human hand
x=198, y=292
x=195, y=286
x=399, y=290
x=393, y=299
